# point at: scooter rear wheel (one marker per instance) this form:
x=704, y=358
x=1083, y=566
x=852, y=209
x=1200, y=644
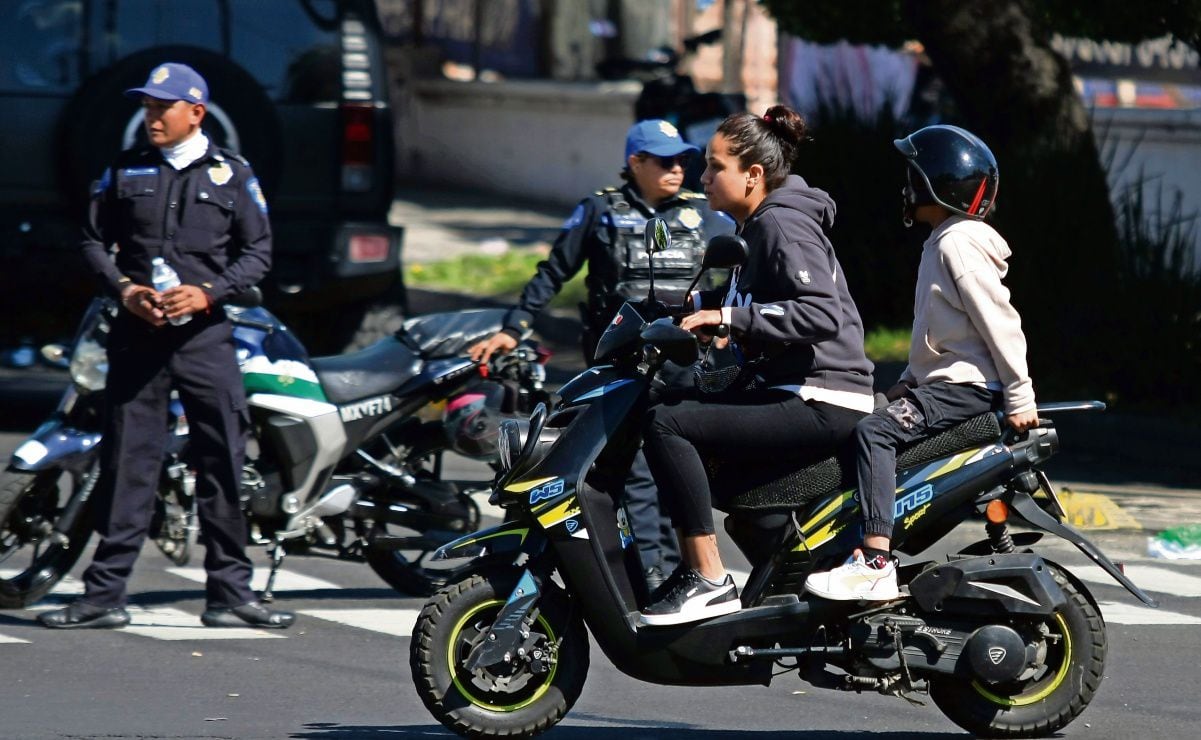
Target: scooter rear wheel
x=506, y=699
x=1064, y=684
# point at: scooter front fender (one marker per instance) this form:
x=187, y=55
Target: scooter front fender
x=509, y=537
x=55, y=445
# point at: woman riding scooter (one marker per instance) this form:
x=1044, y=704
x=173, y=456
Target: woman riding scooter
x=798, y=334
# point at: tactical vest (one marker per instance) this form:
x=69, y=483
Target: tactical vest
x=626, y=276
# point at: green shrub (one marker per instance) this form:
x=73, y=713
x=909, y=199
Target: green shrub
x=1158, y=324
x=491, y=276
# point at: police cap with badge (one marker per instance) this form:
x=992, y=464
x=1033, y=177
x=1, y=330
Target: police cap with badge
x=173, y=81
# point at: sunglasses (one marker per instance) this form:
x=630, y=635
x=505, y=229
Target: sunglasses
x=667, y=163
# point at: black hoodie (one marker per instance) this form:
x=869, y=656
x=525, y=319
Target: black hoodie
x=790, y=303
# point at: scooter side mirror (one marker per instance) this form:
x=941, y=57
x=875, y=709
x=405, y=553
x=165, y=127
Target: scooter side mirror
x=725, y=251
x=657, y=236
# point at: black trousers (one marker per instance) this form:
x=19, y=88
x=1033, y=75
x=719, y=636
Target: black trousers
x=750, y=426
x=198, y=360
x=921, y=412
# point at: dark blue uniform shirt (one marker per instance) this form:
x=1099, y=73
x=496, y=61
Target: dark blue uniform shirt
x=208, y=221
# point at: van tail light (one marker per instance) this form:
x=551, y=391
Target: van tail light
x=358, y=147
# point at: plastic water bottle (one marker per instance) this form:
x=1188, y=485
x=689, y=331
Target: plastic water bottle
x=164, y=277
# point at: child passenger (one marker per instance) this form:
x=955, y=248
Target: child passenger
x=968, y=353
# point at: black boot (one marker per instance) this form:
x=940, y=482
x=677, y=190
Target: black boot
x=81, y=615
x=254, y=614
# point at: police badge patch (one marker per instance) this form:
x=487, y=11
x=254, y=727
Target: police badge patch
x=668, y=130
x=690, y=218
x=160, y=75
x=256, y=193
x=220, y=173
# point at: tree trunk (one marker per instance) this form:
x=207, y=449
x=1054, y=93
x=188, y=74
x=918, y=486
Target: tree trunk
x=1053, y=205
x=731, y=47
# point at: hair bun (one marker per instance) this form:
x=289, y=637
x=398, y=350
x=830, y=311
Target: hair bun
x=787, y=124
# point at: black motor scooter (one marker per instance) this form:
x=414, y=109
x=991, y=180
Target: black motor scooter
x=1006, y=642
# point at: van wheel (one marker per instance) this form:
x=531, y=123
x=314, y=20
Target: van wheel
x=94, y=124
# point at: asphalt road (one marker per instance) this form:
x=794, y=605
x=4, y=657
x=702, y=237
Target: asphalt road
x=342, y=671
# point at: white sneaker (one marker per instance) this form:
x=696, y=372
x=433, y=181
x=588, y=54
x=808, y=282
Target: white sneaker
x=855, y=580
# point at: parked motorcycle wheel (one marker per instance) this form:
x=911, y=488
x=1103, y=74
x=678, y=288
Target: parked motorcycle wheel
x=1068, y=676
x=412, y=570
x=506, y=699
x=30, y=505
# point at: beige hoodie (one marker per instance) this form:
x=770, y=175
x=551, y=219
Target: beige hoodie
x=964, y=328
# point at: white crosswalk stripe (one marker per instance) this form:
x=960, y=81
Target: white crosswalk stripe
x=1121, y=612
x=284, y=581
x=1147, y=577
x=166, y=623
x=396, y=622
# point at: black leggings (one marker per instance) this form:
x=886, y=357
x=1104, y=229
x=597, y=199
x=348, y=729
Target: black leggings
x=752, y=426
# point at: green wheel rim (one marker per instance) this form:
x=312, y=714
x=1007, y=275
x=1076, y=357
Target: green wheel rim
x=465, y=688
x=1039, y=691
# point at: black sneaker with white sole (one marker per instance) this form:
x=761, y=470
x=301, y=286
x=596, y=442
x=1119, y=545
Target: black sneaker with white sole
x=692, y=598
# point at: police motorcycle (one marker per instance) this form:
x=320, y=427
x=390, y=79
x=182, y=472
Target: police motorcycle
x=344, y=453
x=1006, y=642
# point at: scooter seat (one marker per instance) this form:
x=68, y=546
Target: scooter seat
x=450, y=334
x=372, y=371
x=785, y=486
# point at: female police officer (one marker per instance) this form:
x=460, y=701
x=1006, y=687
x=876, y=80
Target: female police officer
x=606, y=231
x=201, y=209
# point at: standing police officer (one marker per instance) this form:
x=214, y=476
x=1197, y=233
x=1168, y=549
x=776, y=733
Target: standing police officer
x=606, y=231
x=201, y=209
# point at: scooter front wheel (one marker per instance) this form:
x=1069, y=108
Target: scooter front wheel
x=33, y=559
x=520, y=698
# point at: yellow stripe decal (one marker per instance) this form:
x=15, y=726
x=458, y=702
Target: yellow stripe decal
x=526, y=485
x=954, y=463
x=834, y=505
x=565, y=510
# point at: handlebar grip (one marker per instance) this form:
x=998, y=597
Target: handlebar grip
x=722, y=331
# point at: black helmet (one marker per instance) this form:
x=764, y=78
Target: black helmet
x=959, y=170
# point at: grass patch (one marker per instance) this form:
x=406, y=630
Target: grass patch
x=503, y=277
x=491, y=276
x=883, y=344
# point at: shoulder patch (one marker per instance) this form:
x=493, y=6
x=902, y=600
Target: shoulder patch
x=256, y=193
x=576, y=218
x=103, y=183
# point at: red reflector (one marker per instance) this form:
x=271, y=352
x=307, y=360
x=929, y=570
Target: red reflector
x=358, y=134
x=368, y=248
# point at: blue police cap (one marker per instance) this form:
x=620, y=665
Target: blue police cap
x=173, y=81
x=657, y=137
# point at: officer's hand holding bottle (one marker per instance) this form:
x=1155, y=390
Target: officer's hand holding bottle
x=143, y=301
x=183, y=300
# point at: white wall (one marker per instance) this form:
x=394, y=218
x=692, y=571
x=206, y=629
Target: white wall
x=537, y=140
x=1161, y=146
